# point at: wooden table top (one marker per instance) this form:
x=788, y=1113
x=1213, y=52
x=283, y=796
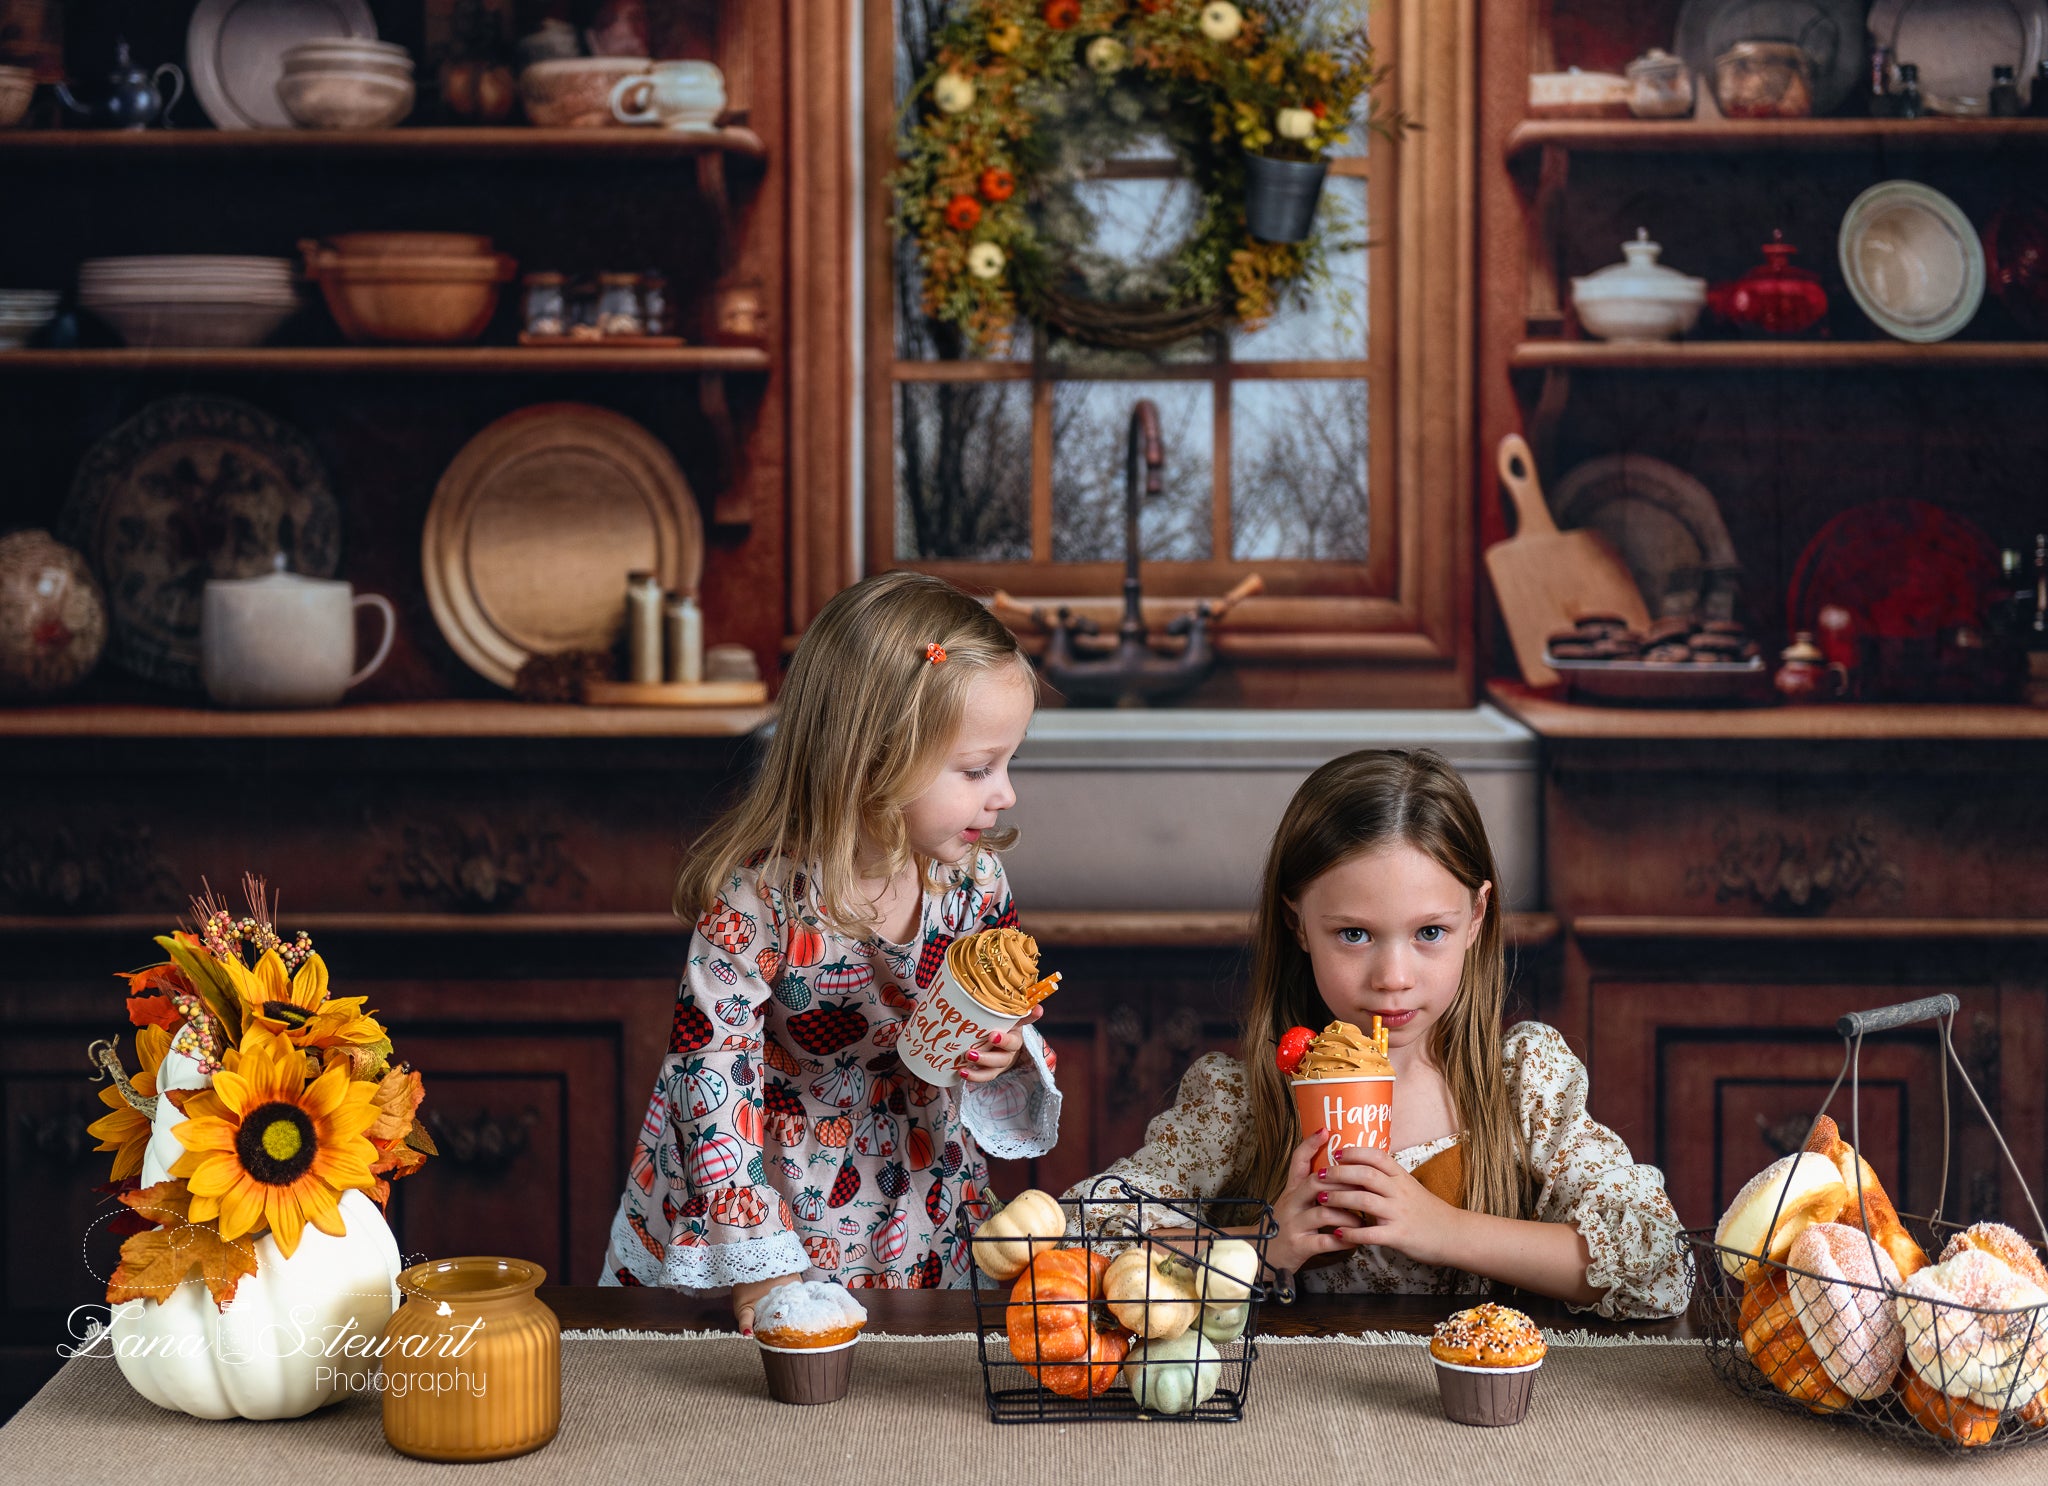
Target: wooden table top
x=940, y=1312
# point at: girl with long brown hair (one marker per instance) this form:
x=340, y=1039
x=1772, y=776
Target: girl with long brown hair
x=1380, y=899
x=785, y=1139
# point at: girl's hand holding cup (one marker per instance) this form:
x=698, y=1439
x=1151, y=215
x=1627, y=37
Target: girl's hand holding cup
x=1395, y=1211
x=1300, y=1211
x=995, y=1057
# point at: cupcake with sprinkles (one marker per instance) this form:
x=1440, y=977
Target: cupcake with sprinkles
x=807, y=1331
x=1486, y=1360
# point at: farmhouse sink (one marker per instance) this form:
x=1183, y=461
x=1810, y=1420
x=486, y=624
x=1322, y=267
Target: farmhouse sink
x=1174, y=809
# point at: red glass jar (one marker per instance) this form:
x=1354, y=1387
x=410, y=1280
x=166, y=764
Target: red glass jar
x=1773, y=298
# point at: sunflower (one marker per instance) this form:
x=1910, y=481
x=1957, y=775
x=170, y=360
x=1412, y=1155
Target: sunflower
x=299, y=1006
x=264, y=1146
x=125, y=1131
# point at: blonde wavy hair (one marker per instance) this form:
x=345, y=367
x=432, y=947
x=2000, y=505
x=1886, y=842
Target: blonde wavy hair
x=1352, y=805
x=863, y=723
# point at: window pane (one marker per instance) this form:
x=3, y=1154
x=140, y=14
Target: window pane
x=1090, y=423
x=963, y=471
x=1298, y=470
x=1332, y=324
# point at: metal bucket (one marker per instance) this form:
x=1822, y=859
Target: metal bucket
x=1280, y=197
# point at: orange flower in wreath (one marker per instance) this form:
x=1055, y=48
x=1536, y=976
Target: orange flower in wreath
x=962, y=213
x=264, y=1147
x=998, y=184
x=1063, y=15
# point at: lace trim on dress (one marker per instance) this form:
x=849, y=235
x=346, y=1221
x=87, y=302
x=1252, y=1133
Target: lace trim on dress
x=717, y=1266
x=1018, y=1114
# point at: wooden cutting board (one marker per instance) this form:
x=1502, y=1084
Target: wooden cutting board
x=1546, y=579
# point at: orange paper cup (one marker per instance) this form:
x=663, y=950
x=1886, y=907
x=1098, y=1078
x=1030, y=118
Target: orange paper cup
x=1356, y=1111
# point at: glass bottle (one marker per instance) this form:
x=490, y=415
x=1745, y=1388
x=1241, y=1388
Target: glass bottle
x=1882, y=103
x=683, y=637
x=2005, y=94
x=583, y=309
x=618, y=304
x=1909, y=104
x=546, y=307
x=643, y=627
x=656, y=315
x=2037, y=101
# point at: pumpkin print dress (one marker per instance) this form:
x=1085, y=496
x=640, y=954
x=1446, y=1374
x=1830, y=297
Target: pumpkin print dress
x=1584, y=1175
x=785, y=1136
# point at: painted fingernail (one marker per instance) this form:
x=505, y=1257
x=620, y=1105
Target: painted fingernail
x=746, y=1331
x=1323, y=1173
x=973, y=1056
x=1321, y=1198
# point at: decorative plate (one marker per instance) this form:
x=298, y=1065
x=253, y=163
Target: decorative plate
x=535, y=526
x=1956, y=43
x=1912, y=260
x=1904, y=569
x=1830, y=32
x=235, y=50
x=193, y=488
x=1662, y=521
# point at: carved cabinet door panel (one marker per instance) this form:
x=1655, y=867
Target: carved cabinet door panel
x=1713, y=1081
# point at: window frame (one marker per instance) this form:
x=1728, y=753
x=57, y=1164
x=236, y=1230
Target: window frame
x=1407, y=614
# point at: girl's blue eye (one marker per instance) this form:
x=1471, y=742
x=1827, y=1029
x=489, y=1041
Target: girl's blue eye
x=1433, y=934
x=1352, y=936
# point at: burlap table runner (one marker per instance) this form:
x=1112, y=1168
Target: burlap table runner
x=697, y=1411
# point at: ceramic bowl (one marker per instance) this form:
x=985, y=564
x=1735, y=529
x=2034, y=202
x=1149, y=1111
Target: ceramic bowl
x=185, y=324
x=410, y=300
x=345, y=100
x=1912, y=261
x=349, y=245
x=1639, y=318
x=575, y=92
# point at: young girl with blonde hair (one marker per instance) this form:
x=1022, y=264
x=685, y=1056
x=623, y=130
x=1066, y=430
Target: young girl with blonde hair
x=785, y=1139
x=1380, y=899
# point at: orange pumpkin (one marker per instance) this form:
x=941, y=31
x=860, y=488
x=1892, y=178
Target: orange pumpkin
x=1066, y=1324
x=806, y=945
x=834, y=1133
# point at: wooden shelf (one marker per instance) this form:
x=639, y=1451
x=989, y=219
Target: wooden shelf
x=1546, y=715
x=437, y=360
x=506, y=719
x=1678, y=136
x=1544, y=355
x=509, y=142
x=1804, y=930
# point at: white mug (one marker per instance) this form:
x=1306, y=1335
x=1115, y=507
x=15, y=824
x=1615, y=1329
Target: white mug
x=283, y=640
x=675, y=95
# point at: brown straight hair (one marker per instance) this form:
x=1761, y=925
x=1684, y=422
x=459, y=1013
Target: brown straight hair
x=863, y=723
x=1352, y=805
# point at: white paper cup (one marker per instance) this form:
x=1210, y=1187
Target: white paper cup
x=947, y=1022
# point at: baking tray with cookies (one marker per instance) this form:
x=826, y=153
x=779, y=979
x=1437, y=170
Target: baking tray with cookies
x=1674, y=661
x=1818, y=1297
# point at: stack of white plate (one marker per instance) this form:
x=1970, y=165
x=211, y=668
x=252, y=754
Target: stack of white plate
x=189, y=300
x=22, y=313
x=346, y=83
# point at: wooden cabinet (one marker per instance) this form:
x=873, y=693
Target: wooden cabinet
x=1728, y=884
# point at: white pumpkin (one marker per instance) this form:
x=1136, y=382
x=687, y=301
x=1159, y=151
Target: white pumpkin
x=266, y=1356
x=177, y=1071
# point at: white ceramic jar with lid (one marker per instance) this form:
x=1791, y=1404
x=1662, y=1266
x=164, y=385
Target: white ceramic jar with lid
x=1638, y=299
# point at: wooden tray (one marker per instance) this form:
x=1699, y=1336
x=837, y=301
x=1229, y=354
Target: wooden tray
x=675, y=693
x=603, y=342
x=535, y=526
x=1680, y=684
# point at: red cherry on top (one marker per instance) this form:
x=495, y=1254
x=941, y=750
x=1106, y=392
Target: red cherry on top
x=1293, y=1045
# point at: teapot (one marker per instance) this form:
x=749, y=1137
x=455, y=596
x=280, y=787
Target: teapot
x=283, y=640
x=1807, y=675
x=133, y=99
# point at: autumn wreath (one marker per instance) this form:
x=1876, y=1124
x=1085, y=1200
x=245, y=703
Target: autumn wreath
x=1020, y=96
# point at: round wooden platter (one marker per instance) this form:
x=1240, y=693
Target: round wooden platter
x=535, y=526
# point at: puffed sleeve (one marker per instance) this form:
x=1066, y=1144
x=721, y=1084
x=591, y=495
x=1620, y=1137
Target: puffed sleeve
x=1017, y=1114
x=1190, y=1150
x=1586, y=1177
x=698, y=1211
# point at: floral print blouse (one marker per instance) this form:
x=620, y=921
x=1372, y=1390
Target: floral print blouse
x=1584, y=1176
x=785, y=1136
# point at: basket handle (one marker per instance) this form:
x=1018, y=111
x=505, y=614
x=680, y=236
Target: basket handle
x=1885, y=1018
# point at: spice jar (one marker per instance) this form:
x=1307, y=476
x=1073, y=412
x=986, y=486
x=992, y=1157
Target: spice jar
x=1660, y=86
x=657, y=316
x=546, y=308
x=1764, y=80
x=472, y=1362
x=618, y=304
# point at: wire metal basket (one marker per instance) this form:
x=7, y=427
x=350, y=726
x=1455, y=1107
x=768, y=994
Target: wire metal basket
x=1031, y=1328
x=1928, y=1371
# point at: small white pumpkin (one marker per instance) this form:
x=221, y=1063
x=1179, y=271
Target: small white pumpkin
x=953, y=92
x=1294, y=123
x=267, y=1355
x=1222, y=21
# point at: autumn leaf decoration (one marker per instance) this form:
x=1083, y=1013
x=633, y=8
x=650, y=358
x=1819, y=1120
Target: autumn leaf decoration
x=304, y=1101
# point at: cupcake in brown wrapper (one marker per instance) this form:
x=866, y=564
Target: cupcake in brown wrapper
x=1486, y=1360
x=809, y=1374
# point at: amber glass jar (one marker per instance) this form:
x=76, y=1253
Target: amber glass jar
x=472, y=1362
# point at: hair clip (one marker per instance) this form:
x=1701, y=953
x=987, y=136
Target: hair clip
x=935, y=653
